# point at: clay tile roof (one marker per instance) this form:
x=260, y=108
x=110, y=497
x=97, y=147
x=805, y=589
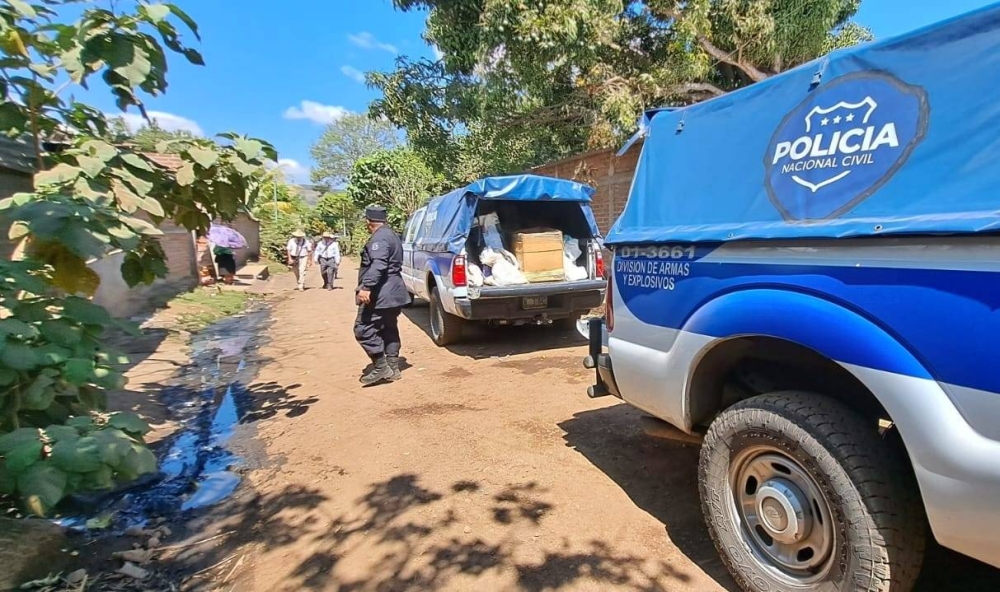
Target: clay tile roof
x=170, y=161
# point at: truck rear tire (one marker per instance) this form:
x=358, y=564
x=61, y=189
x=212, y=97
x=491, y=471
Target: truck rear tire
x=445, y=328
x=800, y=493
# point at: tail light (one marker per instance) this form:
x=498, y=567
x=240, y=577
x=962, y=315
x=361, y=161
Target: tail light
x=458, y=277
x=609, y=305
x=599, y=263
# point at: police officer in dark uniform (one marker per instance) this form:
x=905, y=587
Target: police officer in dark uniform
x=381, y=295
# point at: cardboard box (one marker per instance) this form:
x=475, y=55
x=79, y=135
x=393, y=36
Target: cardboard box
x=540, y=253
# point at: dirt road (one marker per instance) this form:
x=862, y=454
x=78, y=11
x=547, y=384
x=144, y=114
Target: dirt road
x=485, y=468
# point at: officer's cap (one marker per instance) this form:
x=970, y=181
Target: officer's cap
x=375, y=214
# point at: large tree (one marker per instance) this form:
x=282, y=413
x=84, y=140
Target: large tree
x=523, y=82
x=395, y=179
x=344, y=142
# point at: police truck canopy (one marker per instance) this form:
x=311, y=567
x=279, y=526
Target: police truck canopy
x=449, y=217
x=893, y=137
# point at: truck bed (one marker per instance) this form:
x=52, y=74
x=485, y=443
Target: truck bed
x=535, y=289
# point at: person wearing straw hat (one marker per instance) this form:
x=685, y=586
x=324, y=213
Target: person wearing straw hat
x=299, y=248
x=381, y=295
x=327, y=256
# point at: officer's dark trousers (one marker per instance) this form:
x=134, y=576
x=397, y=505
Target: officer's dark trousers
x=377, y=331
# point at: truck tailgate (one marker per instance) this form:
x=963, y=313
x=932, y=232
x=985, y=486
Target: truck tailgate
x=536, y=289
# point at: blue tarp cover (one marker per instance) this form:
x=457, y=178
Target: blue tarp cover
x=898, y=136
x=449, y=217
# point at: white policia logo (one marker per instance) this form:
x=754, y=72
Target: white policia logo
x=813, y=152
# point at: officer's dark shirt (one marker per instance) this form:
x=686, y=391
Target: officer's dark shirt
x=381, y=269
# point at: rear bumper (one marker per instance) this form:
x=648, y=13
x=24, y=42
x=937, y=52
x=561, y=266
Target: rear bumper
x=565, y=300
x=538, y=289
x=600, y=362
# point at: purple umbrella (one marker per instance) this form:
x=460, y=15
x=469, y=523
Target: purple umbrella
x=226, y=237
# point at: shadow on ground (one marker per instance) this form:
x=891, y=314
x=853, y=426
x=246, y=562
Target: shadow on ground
x=661, y=478
x=417, y=538
x=482, y=341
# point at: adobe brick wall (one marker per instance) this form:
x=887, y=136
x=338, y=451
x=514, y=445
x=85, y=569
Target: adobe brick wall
x=611, y=175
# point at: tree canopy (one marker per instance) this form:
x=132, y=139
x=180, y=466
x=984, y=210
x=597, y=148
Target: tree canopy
x=522, y=82
x=396, y=179
x=344, y=142
x=90, y=198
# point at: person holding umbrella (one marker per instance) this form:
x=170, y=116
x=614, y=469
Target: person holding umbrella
x=225, y=239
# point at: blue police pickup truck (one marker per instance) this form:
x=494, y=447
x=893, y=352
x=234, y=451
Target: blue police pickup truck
x=444, y=239
x=806, y=277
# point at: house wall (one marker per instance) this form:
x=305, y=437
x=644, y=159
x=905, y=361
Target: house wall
x=250, y=229
x=611, y=175
x=122, y=301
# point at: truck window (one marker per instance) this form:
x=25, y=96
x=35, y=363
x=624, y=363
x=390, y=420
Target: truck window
x=416, y=221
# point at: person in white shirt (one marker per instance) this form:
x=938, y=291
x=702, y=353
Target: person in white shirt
x=299, y=248
x=327, y=256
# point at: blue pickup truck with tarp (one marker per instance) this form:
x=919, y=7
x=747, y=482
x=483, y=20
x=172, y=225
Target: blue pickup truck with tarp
x=442, y=243
x=806, y=277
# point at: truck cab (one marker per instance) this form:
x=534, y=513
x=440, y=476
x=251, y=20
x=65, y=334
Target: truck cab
x=805, y=279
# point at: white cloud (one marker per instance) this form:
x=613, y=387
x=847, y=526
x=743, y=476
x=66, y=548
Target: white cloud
x=316, y=112
x=353, y=73
x=438, y=54
x=294, y=171
x=168, y=121
x=366, y=40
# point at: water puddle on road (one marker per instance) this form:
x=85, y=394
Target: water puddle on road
x=207, y=398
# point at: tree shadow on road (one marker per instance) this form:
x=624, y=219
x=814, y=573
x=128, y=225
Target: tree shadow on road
x=658, y=475
x=264, y=400
x=245, y=521
x=482, y=341
x=661, y=478
x=411, y=537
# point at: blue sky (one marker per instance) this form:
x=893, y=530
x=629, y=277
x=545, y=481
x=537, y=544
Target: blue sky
x=280, y=70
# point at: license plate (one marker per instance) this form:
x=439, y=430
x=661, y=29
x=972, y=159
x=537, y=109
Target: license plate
x=533, y=302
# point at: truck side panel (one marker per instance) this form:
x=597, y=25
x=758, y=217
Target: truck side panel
x=915, y=320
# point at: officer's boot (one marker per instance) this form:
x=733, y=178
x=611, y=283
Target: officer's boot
x=380, y=371
x=394, y=366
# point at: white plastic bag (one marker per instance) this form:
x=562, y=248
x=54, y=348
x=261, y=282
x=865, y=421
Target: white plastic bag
x=571, y=253
x=574, y=272
x=476, y=278
x=504, y=267
x=571, y=247
x=492, y=238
